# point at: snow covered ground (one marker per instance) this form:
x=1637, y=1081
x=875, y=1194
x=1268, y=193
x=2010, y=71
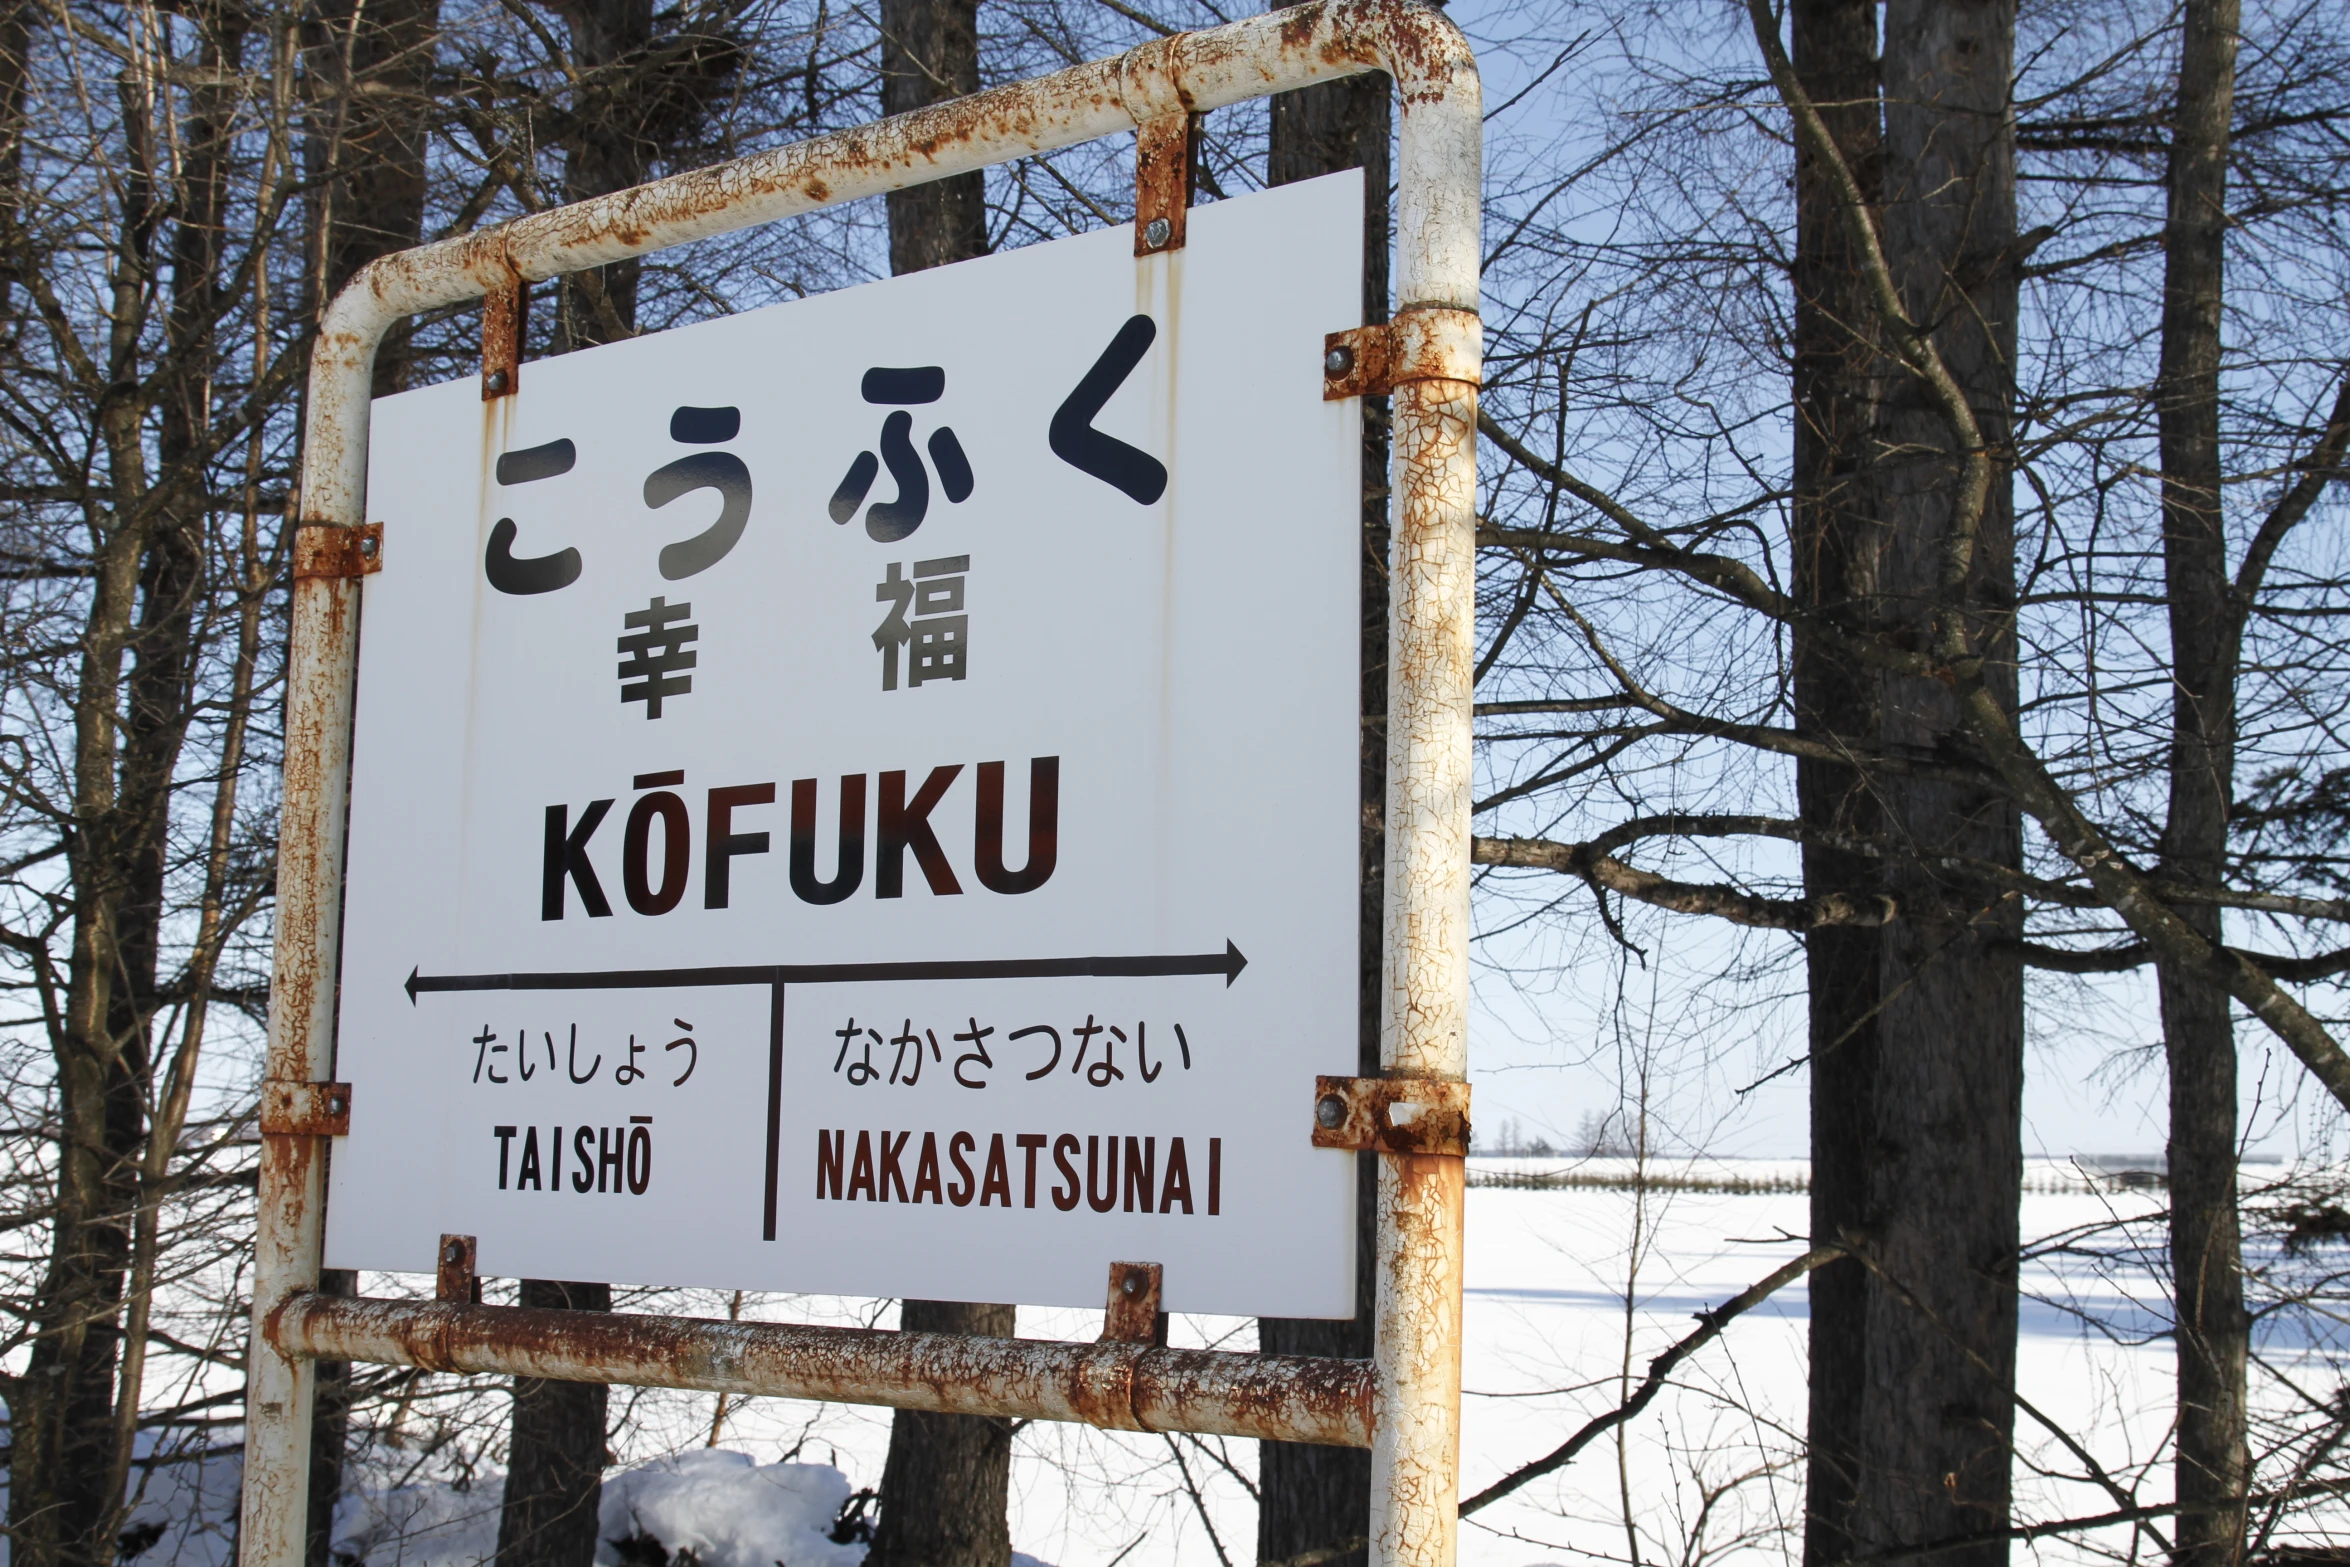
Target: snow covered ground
x=1710, y=1472
x=725, y=1508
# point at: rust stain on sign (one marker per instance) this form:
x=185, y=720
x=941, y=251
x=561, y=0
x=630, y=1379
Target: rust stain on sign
x=1165, y=147
x=504, y=312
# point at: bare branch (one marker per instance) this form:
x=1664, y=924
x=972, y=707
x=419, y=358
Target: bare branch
x=1710, y=1326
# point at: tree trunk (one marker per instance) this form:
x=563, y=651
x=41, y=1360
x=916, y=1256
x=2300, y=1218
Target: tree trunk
x=58, y=1498
x=167, y=648
x=2207, y=1262
x=946, y=1484
x=606, y=149
x=16, y=42
x=1834, y=47
x=638, y=92
x=929, y=54
x=66, y=1473
x=62, y=1414
x=555, y=1460
x=1916, y=1027
x=1310, y=1497
x=367, y=75
x=555, y=1445
x=330, y=1435
x=368, y=69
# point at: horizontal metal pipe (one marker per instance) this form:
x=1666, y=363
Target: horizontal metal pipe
x=1121, y=1387
x=1436, y=218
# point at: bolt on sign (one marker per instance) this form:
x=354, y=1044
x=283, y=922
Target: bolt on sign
x=860, y=796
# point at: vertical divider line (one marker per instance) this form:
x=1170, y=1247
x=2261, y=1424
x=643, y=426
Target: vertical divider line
x=774, y=1096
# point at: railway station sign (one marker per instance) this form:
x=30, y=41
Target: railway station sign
x=860, y=796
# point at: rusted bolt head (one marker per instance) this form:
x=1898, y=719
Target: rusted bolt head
x=1338, y=361
x=369, y=545
x=335, y=1104
x=1157, y=232
x=453, y=1252
x=1329, y=1111
x=1132, y=1283
x=496, y=381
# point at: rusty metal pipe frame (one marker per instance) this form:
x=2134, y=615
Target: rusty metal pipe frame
x=1424, y=1024
x=1416, y=1377
x=1119, y=1386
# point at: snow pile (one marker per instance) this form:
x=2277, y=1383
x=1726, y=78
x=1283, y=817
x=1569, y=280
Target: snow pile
x=429, y=1524
x=725, y=1510
x=182, y=1514
x=707, y=1508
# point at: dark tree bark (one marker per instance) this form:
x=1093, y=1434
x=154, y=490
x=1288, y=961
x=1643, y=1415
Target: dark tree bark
x=2207, y=1261
x=645, y=84
x=1834, y=47
x=16, y=42
x=1308, y=1497
x=930, y=53
x=368, y=68
x=606, y=148
x=947, y=1481
x=1917, y=1025
x=330, y=1436
x=555, y=1459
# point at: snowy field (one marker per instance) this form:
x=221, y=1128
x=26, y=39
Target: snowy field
x=1570, y=1293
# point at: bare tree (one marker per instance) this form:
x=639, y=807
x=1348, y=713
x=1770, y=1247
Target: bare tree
x=555, y=1451
x=141, y=560
x=930, y=54
x=1719, y=679
x=1963, y=623
x=1916, y=1024
x=2198, y=1026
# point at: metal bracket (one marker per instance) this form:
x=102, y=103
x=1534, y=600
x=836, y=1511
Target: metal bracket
x=457, y=1279
x=321, y=549
x=1165, y=147
x=1392, y=1115
x=1133, y=1315
x=305, y=1109
x=1422, y=343
x=502, y=313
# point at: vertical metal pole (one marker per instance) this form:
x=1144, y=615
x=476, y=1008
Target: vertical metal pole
x=1415, y=1450
x=319, y=681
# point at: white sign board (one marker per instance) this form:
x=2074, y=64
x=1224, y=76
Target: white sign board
x=860, y=796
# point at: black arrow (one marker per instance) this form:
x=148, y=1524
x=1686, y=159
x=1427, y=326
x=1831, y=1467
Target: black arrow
x=1228, y=963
